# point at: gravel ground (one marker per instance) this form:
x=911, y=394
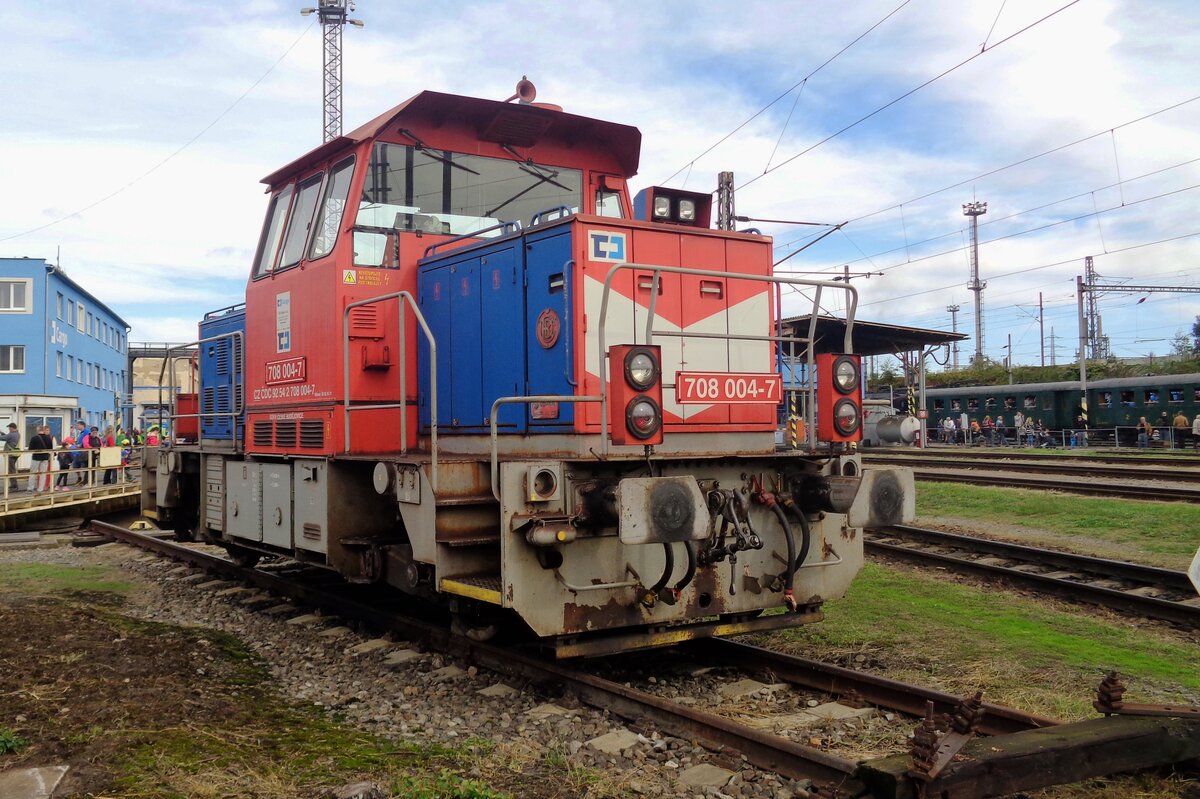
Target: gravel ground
x=431, y=698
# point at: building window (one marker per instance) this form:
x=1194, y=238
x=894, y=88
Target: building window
x=58, y=360
x=58, y=305
x=12, y=358
x=15, y=296
x=96, y=374
x=80, y=317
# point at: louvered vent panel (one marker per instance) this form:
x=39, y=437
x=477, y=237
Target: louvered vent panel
x=285, y=433
x=262, y=433
x=222, y=357
x=364, y=321
x=312, y=433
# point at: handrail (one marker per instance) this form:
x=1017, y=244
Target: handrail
x=239, y=398
x=403, y=296
x=522, y=401
x=214, y=314
x=473, y=234
x=563, y=212
x=658, y=270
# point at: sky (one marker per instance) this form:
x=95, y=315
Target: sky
x=136, y=133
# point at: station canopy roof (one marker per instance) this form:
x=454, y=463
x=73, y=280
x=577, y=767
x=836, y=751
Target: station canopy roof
x=869, y=338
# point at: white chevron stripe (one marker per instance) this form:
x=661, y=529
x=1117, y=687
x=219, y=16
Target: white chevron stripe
x=627, y=324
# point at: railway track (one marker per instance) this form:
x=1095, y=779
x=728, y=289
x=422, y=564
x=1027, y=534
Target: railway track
x=1125, y=455
x=888, y=778
x=1129, y=468
x=1128, y=587
x=1067, y=485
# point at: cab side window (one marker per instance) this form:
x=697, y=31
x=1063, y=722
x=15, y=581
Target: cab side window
x=272, y=232
x=300, y=221
x=332, y=209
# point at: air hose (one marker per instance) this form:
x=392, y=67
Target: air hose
x=789, y=574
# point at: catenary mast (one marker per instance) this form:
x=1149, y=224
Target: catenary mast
x=334, y=16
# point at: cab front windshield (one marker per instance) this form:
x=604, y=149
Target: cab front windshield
x=431, y=191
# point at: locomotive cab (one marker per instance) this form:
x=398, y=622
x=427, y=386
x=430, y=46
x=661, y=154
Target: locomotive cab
x=471, y=368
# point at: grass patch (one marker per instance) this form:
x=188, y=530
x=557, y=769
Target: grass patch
x=1039, y=655
x=84, y=582
x=1160, y=533
x=10, y=742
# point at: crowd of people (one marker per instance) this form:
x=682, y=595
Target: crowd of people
x=1030, y=432
x=74, y=461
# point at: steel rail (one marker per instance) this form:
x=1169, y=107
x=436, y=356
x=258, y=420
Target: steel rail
x=1174, y=611
x=1067, y=486
x=1125, y=471
x=988, y=454
x=871, y=688
x=767, y=751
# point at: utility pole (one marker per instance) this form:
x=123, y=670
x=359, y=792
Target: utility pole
x=333, y=16
x=1010, y=359
x=1097, y=341
x=975, y=210
x=1042, y=327
x=953, y=309
x=725, y=203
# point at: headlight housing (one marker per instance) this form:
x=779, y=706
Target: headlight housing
x=687, y=210
x=641, y=369
x=662, y=207
x=644, y=417
x=846, y=418
x=845, y=375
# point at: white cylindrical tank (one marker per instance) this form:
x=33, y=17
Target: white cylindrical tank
x=897, y=429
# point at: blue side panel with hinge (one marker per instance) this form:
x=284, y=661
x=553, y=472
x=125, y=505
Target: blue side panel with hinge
x=222, y=368
x=475, y=308
x=549, y=343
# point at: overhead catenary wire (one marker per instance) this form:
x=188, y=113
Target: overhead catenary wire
x=793, y=87
x=907, y=94
x=1019, y=162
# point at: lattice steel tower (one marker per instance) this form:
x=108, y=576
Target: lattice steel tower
x=333, y=16
x=1097, y=341
x=975, y=210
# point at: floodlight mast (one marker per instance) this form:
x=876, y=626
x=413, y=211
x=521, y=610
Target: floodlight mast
x=333, y=16
x=974, y=210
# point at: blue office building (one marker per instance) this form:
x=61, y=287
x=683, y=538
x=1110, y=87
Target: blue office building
x=62, y=351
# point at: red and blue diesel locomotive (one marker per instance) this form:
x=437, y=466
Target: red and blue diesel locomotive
x=470, y=367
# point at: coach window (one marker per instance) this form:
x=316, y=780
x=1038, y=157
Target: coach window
x=332, y=209
x=300, y=221
x=1151, y=395
x=1127, y=399
x=939, y=405
x=272, y=232
x=1010, y=403
x=989, y=403
x=1030, y=402
x=972, y=405
x=1047, y=402
x=1105, y=399
x=1174, y=396
x=955, y=405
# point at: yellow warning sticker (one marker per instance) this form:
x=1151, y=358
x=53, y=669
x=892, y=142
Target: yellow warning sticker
x=349, y=276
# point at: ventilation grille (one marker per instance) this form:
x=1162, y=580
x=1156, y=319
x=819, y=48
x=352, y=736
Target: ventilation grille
x=311, y=532
x=221, y=356
x=364, y=321
x=312, y=433
x=262, y=434
x=285, y=434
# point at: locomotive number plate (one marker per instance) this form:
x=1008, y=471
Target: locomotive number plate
x=291, y=370
x=708, y=388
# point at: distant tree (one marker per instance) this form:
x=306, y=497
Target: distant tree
x=1182, y=344
x=1196, y=334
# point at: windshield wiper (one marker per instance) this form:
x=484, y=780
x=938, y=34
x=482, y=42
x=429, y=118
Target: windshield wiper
x=527, y=165
x=424, y=148
x=540, y=180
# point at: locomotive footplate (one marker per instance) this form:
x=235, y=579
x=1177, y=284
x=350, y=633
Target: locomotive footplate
x=629, y=639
